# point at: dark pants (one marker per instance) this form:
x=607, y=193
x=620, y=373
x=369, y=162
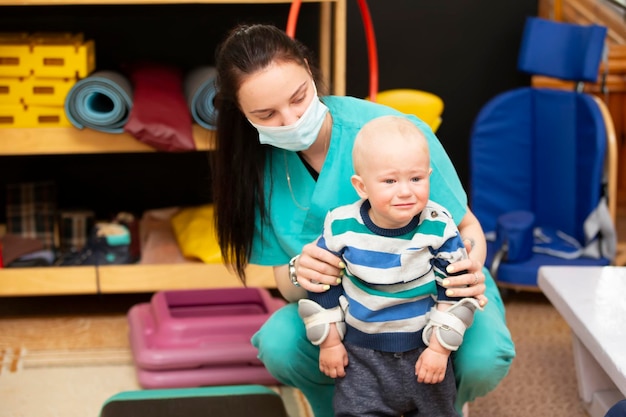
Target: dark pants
x=381, y=384
x=618, y=410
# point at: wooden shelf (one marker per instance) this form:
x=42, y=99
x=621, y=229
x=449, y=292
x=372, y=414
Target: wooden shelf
x=69, y=140
x=150, y=278
x=115, y=279
x=17, y=282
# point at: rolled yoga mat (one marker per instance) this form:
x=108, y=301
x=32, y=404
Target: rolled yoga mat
x=101, y=101
x=200, y=92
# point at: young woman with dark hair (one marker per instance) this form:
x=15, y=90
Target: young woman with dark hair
x=282, y=161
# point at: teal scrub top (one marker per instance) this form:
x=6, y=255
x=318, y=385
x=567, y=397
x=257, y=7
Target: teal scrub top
x=298, y=206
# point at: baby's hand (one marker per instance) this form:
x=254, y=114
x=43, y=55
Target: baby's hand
x=430, y=368
x=333, y=360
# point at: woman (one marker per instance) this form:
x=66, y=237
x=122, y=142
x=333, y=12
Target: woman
x=282, y=160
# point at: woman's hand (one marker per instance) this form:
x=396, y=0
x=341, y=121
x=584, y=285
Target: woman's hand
x=317, y=269
x=470, y=284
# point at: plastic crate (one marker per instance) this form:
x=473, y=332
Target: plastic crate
x=46, y=116
x=19, y=115
x=46, y=55
x=46, y=91
x=64, y=60
x=15, y=58
x=13, y=115
x=12, y=90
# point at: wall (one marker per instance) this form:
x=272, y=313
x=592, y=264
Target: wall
x=181, y=34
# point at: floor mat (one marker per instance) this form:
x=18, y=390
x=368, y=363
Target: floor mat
x=37, y=385
x=66, y=356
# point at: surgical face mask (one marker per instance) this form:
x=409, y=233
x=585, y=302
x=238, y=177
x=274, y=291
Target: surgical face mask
x=299, y=135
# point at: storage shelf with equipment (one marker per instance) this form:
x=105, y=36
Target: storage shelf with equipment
x=51, y=141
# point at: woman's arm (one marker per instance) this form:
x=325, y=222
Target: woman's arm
x=472, y=231
x=316, y=269
x=471, y=284
x=283, y=283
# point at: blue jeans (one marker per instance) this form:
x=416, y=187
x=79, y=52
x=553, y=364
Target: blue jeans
x=481, y=362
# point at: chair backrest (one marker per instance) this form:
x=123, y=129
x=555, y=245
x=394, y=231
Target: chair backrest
x=543, y=150
x=540, y=151
x=566, y=51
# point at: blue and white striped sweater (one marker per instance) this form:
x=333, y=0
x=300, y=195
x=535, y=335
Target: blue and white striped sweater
x=392, y=275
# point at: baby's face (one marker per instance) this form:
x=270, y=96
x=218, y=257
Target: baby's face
x=396, y=178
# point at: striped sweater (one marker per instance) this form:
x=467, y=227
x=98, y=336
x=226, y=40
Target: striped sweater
x=392, y=276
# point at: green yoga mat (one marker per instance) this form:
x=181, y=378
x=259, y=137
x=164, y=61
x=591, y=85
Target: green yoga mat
x=101, y=101
x=220, y=401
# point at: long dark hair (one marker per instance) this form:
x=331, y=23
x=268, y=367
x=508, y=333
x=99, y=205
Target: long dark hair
x=238, y=161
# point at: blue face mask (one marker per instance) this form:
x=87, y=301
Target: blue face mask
x=299, y=135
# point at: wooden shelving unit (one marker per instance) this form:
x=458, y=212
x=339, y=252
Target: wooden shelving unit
x=58, y=141
x=68, y=140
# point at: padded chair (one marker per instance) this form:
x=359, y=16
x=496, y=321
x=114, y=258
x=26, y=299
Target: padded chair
x=543, y=162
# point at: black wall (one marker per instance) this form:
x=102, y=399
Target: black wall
x=465, y=52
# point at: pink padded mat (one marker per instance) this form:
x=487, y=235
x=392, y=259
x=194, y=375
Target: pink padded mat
x=200, y=337
x=205, y=376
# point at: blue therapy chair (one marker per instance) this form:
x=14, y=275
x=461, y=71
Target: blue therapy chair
x=538, y=161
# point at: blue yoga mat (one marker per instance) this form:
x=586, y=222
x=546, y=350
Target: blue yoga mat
x=200, y=90
x=101, y=101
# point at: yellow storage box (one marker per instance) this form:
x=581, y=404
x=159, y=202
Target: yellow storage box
x=15, y=58
x=65, y=58
x=13, y=115
x=19, y=115
x=47, y=55
x=12, y=90
x=46, y=91
x=46, y=116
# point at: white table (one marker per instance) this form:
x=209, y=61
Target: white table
x=592, y=300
